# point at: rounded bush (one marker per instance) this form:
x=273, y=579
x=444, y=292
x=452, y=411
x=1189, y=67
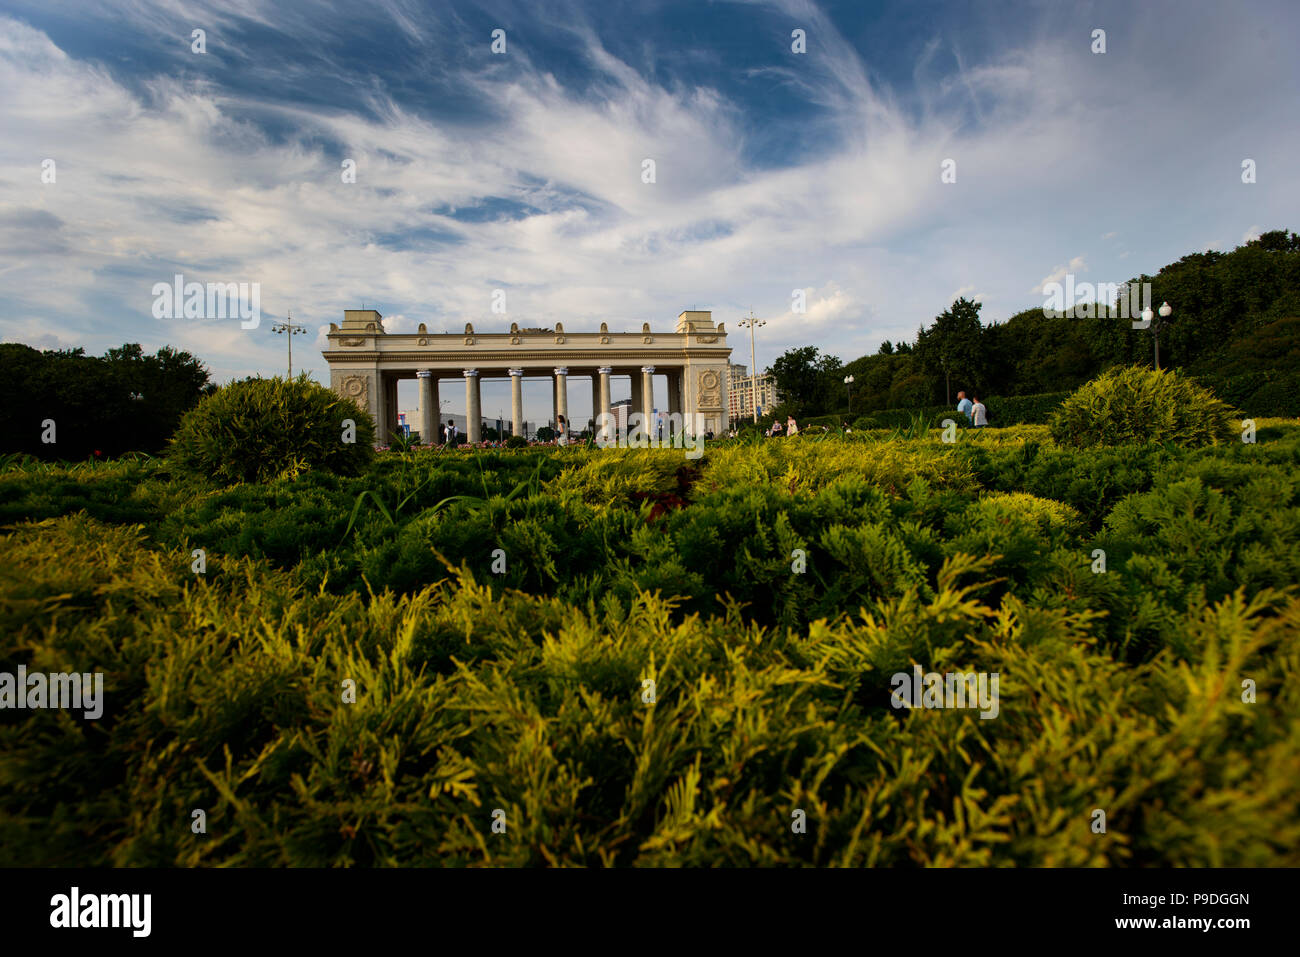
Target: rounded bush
x=259, y=429
x=1132, y=404
x=516, y=442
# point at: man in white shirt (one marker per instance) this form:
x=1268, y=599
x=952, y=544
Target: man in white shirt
x=979, y=414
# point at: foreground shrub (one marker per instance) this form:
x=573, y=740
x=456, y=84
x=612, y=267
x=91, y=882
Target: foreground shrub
x=255, y=430
x=1131, y=404
x=224, y=693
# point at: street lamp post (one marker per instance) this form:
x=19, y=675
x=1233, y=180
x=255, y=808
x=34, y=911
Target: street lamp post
x=848, y=387
x=1150, y=319
x=749, y=323
x=289, y=329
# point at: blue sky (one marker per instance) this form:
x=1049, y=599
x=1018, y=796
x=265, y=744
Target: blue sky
x=522, y=170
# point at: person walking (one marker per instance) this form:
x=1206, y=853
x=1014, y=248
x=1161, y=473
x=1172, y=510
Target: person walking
x=979, y=414
x=964, y=405
x=562, y=431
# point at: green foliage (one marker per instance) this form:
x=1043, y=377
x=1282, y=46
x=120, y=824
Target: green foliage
x=1023, y=409
x=807, y=381
x=226, y=693
x=104, y=406
x=1259, y=372
x=950, y=350
x=1234, y=327
x=255, y=430
x=516, y=442
x=1131, y=404
x=770, y=589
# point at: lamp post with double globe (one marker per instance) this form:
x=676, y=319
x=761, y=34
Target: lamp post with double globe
x=1150, y=319
x=848, y=387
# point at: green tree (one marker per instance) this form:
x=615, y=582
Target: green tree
x=808, y=381
x=797, y=378
x=951, y=348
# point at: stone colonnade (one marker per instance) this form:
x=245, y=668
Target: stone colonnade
x=366, y=362
x=430, y=393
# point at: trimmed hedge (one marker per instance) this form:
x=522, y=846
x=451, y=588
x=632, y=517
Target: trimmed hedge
x=1002, y=412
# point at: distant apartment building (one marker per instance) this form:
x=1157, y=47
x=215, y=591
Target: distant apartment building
x=740, y=392
x=620, y=410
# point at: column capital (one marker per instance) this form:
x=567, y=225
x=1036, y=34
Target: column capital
x=605, y=370
x=470, y=373
x=648, y=369
x=425, y=374
x=561, y=370
x=516, y=372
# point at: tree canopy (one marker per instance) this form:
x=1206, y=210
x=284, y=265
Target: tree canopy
x=122, y=401
x=1232, y=312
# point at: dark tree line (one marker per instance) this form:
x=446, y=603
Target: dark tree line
x=1235, y=326
x=122, y=401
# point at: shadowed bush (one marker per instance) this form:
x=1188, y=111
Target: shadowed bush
x=256, y=430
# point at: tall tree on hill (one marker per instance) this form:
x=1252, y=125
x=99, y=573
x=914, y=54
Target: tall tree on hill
x=797, y=379
x=952, y=346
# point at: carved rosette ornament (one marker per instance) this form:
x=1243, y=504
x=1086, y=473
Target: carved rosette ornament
x=710, y=394
x=354, y=388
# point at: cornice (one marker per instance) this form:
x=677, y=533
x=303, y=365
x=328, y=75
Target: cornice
x=471, y=358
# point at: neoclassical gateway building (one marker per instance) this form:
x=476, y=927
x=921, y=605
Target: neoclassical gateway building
x=366, y=363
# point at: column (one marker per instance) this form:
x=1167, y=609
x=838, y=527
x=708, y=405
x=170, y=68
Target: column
x=604, y=406
x=648, y=401
x=674, y=399
x=391, y=402
x=428, y=407
x=562, y=397
x=379, y=408
x=473, y=408
x=516, y=401
x=595, y=400
x=436, y=411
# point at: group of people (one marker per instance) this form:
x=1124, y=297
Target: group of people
x=790, y=428
x=450, y=432
x=974, y=411
x=971, y=407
